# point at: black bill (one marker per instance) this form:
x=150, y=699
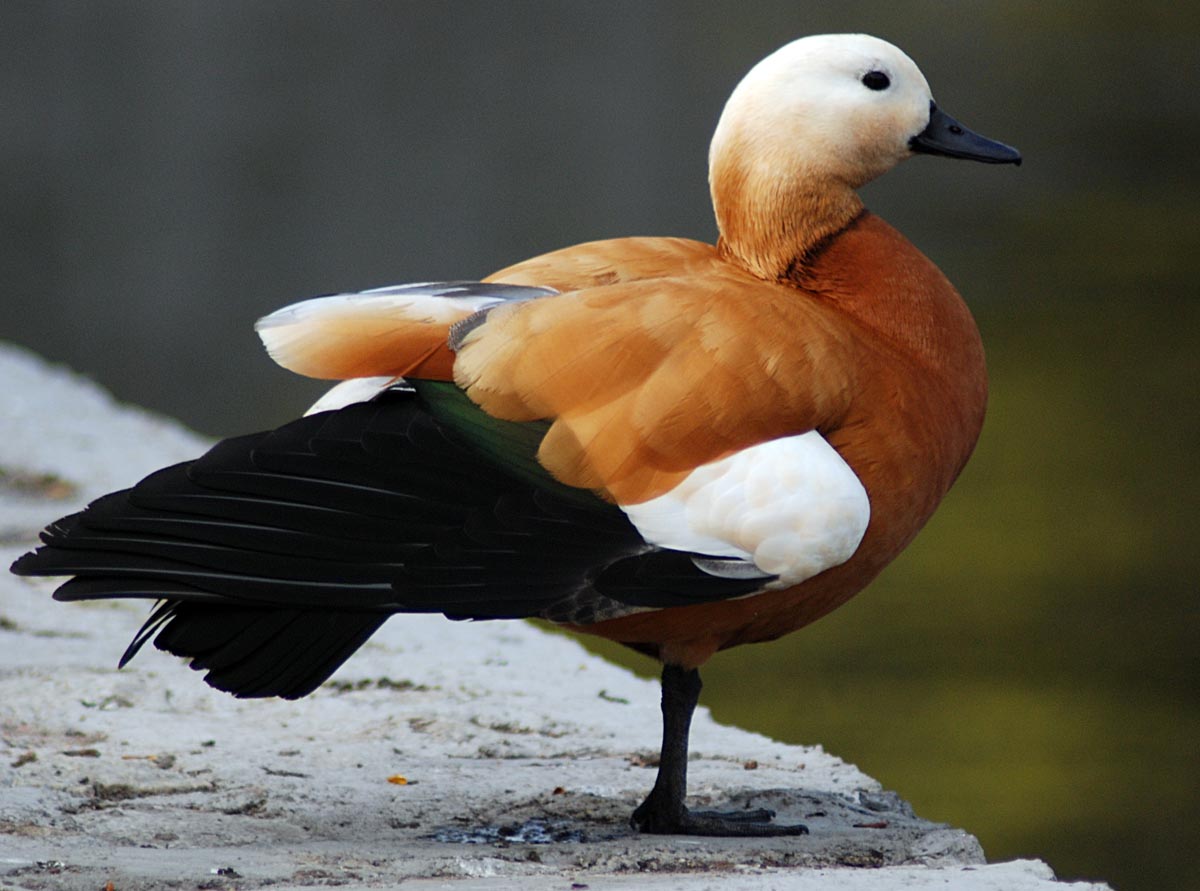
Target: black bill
x=946, y=136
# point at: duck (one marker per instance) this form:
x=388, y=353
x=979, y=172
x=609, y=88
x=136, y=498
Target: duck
x=676, y=445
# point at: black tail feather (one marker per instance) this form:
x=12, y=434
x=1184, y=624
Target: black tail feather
x=254, y=653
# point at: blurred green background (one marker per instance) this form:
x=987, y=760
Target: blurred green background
x=1028, y=670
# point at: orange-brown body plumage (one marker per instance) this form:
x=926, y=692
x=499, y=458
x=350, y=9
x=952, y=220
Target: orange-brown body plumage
x=866, y=342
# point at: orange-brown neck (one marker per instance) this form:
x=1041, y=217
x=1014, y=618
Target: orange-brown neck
x=767, y=221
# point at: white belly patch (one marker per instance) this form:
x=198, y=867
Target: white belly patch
x=790, y=506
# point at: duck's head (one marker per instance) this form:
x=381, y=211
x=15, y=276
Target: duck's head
x=810, y=124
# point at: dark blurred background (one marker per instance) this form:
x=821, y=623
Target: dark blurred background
x=1028, y=670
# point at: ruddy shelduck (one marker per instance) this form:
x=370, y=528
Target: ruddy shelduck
x=675, y=445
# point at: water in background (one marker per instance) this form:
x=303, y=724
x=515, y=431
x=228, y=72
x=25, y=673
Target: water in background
x=1028, y=669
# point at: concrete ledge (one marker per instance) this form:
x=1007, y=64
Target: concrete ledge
x=443, y=755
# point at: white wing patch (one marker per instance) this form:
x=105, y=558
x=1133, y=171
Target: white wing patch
x=791, y=506
x=293, y=330
x=323, y=336
x=357, y=389
x=433, y=302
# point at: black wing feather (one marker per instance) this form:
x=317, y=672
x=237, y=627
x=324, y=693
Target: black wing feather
x=277, y=554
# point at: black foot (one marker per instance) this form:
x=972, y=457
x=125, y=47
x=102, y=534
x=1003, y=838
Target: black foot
x=663, y=813
x=745, y=824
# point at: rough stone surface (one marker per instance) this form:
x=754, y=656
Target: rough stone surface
x=443, y=755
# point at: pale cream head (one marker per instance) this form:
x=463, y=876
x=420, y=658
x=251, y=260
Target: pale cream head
x=803, y=130
x=806, y=104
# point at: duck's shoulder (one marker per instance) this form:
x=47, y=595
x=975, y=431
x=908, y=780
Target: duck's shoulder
x=613, y=261
x=662, y=356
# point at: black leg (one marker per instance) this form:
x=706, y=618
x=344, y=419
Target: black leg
x=663, y=811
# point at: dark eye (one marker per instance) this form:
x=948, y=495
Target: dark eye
x=876, y=80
